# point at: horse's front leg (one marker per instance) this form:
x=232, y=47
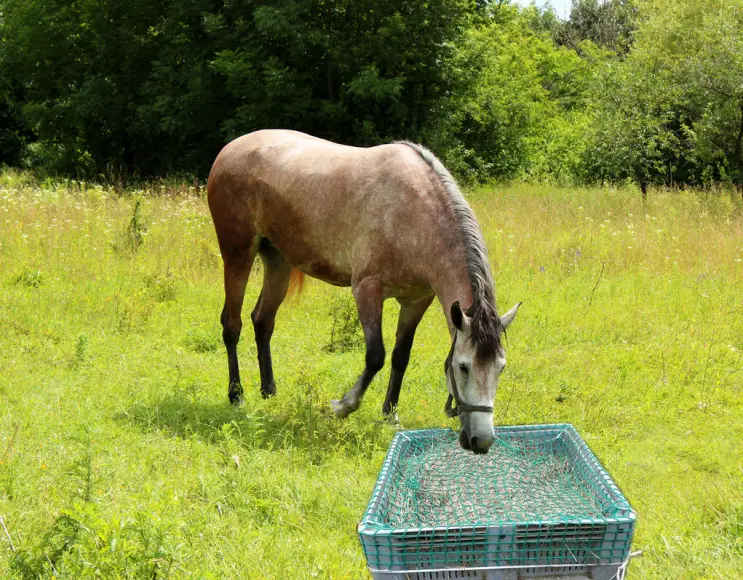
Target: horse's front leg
x=407, y=323
x=369, y=298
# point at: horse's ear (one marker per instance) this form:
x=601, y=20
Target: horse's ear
x=457, y=316
x=508, y=317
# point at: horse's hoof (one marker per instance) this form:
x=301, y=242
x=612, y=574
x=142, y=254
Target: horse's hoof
x=235, y=395
x=341, y=408
x=268, y=391
x=393, y=420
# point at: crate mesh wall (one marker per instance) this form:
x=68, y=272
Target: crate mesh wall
x=539, y=498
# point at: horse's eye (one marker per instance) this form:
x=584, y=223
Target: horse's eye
x=464, y=367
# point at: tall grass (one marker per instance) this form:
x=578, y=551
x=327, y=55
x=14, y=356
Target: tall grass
x=120, y=456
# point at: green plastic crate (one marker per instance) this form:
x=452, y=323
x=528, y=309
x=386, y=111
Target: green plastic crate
x=427, y=521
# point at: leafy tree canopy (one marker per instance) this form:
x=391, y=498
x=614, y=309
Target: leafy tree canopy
x=645, y=90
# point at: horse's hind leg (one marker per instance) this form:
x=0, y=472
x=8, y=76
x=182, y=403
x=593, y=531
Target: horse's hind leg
x=276, y=276
x=369, y=298
x=237, y=265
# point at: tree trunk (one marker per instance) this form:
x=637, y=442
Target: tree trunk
x=331, y=84
x=640, y=176
x=739, y=150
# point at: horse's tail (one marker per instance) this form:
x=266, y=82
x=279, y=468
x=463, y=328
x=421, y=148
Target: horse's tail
x=296, y=282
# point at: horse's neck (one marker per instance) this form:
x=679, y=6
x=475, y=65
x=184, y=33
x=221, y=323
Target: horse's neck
x=453, y=287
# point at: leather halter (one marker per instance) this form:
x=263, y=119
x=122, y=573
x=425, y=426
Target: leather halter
x=460, y=406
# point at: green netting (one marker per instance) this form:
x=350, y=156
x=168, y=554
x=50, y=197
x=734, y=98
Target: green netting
x=517, y=481
x=538, y=499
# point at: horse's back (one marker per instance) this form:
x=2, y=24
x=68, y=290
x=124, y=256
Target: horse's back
x=263, y=149
x=287, y=155
x=280, y=172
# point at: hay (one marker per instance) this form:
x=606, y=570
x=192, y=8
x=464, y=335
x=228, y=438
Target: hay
x=517, y=481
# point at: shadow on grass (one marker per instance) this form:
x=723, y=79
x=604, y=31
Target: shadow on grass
x=301, y=424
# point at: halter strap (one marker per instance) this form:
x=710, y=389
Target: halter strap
x=453, y=411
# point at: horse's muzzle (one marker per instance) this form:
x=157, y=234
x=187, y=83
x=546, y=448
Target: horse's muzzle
x=478, y=445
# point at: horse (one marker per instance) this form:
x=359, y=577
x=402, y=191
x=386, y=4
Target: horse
x=388, y=221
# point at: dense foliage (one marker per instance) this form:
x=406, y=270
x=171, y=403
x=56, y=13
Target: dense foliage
x=645, y=90
x=155, y=86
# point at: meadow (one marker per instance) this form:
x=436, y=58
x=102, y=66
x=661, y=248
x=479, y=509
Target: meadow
x=120, y=456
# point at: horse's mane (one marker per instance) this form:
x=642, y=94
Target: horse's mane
x=485, y=324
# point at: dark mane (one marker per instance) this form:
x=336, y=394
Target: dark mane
x=485, y=324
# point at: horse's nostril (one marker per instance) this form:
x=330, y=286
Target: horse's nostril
x=464, y=440
x=477, y=448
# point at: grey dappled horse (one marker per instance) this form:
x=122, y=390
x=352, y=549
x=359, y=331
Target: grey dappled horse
x=390, y=222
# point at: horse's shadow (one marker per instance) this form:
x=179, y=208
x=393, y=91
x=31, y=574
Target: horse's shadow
x=301, y=425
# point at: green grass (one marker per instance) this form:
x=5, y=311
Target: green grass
x=120, y=456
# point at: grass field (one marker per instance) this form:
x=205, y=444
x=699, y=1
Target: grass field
x=120, y=456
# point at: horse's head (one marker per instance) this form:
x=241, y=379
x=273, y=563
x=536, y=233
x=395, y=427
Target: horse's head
x=472, y=379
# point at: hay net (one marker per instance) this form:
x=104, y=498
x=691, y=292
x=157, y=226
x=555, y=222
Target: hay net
x=433, y=482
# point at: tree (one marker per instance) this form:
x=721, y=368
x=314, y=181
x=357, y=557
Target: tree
x=632, y=135
x=12, y=132
x=79, y=66
x=149, y=87
x=358, y=71
x=672, y=111
x=703, y=41
x=520, y=106
x=607, y=23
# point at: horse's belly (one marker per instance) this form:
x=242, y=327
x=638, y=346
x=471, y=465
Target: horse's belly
x=326, y=272
x=311, y=259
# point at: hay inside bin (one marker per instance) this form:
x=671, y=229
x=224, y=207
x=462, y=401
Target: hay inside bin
x=517, y=481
